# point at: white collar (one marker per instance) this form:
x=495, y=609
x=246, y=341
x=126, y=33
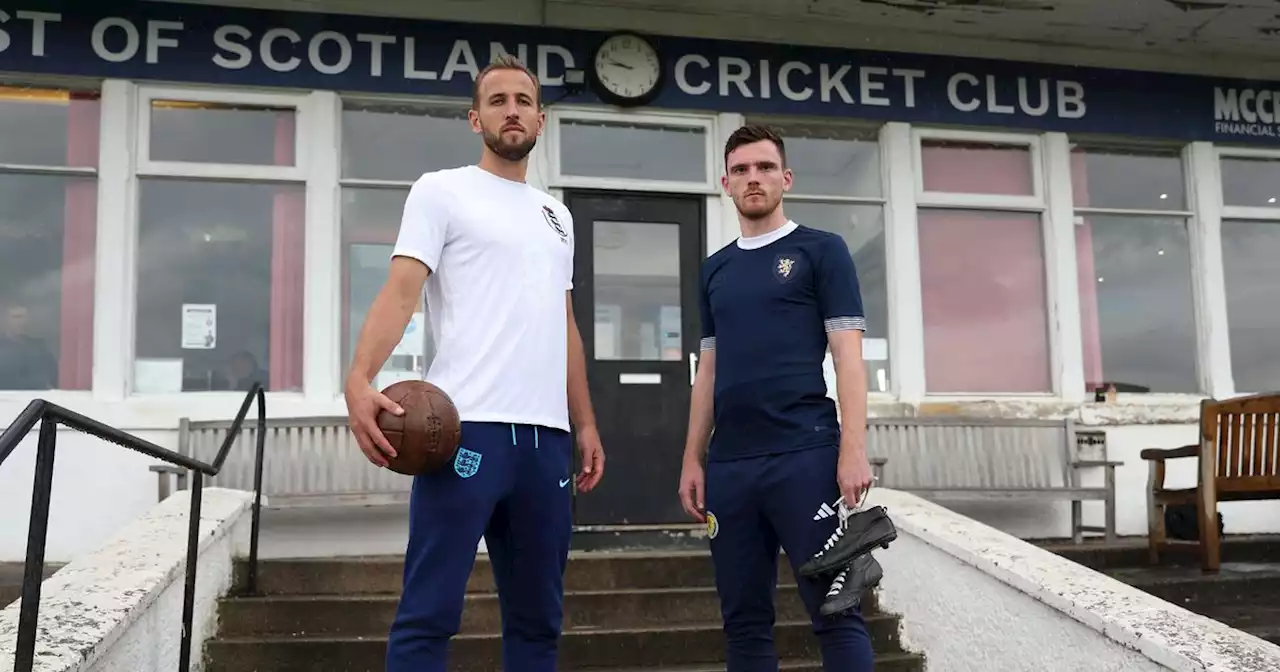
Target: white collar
x=757, y=242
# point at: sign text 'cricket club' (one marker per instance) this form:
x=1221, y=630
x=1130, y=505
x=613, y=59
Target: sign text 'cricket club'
x=237, y=46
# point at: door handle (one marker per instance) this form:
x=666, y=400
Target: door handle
x=693, y=367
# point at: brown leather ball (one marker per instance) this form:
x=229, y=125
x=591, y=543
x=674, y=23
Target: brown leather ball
x=426, y=437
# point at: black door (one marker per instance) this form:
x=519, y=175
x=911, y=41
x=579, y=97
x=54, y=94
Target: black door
x=636, y=265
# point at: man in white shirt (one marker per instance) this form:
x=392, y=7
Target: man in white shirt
x=496, y=258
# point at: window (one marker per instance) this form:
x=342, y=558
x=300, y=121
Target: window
x=48, y=221
x=666, y=152
x=221, y=241
x=982, y=264
x=385, y=148
x=1134, y=269
x=1250, y=254
x=838, y=188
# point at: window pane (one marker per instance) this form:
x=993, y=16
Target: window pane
x=370, y=224
x=833, y=161
x=396, y=141
x=862, y=227
x=229, y=252
x=1251, y=182
x=633, y=151
x=1114, y=178
x=982, y=276
x=963, y=167
x=48, y=127
x=637, y=291
x=47, y=225
x=1250, y=251
x=222, y=133
x=1136, y=310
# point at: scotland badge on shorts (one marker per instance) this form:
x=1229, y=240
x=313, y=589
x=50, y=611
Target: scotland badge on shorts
x=785, y=267
x=466, y=463
x=713, y=525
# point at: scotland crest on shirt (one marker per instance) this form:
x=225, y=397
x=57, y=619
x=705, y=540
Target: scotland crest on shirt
x=466, y=463
x=554, y=222
x=785, y=267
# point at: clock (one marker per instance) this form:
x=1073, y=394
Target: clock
x=627, y=70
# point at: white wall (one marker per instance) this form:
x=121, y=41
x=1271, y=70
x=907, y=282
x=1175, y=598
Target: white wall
x=119, y=609
x=973, y=598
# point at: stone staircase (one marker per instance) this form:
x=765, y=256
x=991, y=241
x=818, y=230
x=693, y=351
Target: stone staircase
x=624, y=612
x=1244, y=594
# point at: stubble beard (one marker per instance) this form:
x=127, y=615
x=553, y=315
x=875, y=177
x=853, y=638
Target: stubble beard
x=509, y=151
x=757, y=213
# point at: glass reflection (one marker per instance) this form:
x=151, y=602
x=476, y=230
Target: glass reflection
x=633, y=151
x=1250, y=251
x=862, y=227
x=1136, y=304
x=235, y=247
x=637, y=291
x=398, y=141
x=222, y=133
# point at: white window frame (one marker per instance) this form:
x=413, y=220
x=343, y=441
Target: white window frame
x=69, y=171
x=1223, y=374
x=915, y=384
x=146, y=167
x=875, y=132
x=318, y=220
x=335, y=361
x=704, y=121
x=1035, y=202
x=1188, y=214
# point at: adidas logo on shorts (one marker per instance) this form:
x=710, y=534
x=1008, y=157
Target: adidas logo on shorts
x=825, y=511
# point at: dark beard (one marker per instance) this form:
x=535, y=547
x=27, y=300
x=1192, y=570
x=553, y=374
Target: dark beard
x=509, y=152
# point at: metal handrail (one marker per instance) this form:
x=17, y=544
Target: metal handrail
x=49, y=416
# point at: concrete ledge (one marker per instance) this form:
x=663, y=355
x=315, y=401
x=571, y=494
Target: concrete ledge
x=974, y=598
x=120, y=607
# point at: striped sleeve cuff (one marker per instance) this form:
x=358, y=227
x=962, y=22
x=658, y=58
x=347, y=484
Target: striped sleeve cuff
x=845, y=324
x=708, y=343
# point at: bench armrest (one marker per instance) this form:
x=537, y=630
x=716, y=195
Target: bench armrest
x=1162, y=454
x=168, y=469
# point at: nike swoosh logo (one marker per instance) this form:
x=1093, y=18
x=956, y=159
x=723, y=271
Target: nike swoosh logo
x=564, y=482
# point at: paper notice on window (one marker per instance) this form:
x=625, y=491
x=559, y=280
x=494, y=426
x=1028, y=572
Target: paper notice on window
x=199, y=326
x=414, y=340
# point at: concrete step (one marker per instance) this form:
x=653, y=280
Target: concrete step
x=1234, y=584
x=888, y=662
x=663, y=648
x=371, y=615
x=586, y=571
x=1131, y=552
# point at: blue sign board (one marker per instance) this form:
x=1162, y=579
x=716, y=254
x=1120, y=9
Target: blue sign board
x=234, y=46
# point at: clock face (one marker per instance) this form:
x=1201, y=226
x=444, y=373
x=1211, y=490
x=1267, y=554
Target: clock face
x=627, y=66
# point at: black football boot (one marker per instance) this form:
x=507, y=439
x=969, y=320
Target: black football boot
x=847, y=589
x=861, y=532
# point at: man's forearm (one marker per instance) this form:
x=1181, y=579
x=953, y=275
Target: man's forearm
x=580, y=412
x=383, y=328
x=701, y=401
x=851, y=393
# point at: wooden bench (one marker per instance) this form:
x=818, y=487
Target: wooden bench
x=1239, y=460
x=306, y=461
x=991, y=459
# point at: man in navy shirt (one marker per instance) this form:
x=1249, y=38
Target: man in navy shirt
x=773, y=302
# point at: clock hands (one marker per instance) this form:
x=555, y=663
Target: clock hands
x=621, y=65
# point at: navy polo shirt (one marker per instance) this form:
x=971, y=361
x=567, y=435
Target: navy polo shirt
x=767, y=306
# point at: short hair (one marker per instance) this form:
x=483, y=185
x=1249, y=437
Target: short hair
x=753, y=133
x=505, y=62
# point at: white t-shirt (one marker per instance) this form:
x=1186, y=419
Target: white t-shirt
x=501, y=260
